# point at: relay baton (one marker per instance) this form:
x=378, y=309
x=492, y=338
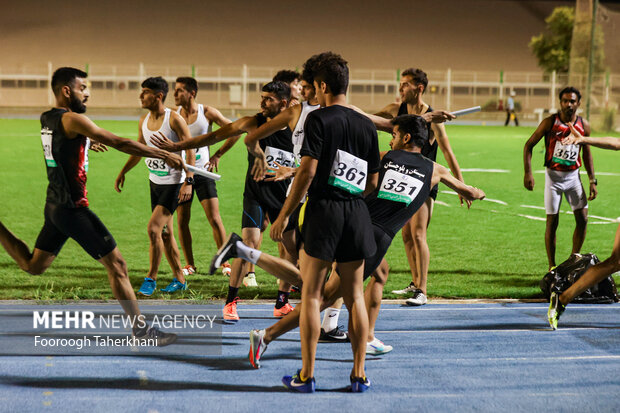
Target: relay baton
x=203, y=172
x=467, y=111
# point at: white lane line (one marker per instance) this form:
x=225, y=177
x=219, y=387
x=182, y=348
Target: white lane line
x=449, y=192
x=532, y=206
x=498, y=171
x=532, y=217
x=497, y=201
x=441, y=203
x=604, y=218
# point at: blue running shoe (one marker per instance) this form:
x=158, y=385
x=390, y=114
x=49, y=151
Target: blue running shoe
x=175, y=286
x=294, y=383
x=148, y=287
x=359, y=384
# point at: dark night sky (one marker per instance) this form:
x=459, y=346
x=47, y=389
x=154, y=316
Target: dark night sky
x=461, y=34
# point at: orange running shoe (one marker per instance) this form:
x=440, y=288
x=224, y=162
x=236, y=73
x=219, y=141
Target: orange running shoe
x=230, y=311
x=281, y=312
x=226, y=270
x=188, y=270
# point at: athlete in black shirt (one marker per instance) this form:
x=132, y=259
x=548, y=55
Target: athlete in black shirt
x=64, y=132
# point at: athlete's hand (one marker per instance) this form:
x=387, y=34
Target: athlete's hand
x=214, y=162
x=467, y=201
x=480, y=195
x=175, y=161
x=259, y=168
x=593, y=192
x=293, y=102
x=118, y=184
x=575, y=138
x=277, y=228
x=185, y=193
x=438, y=116
x=280, y=174
x=97, y=147
x=528, y=182
x=164, y=143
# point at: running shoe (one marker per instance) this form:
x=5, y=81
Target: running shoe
x=230, y=311
x=418, y=299
x=250, y=280
x=334, y=336
x=148, y=287
x=408, y=289
x=188, y=270
x=153, y=333
x=257, y=347
x=226, y=252
x=175, y=286
x=376, y=347
x=359, y=384
x=226, y=269
x=294, y=383
x=556, y=308
x=284, y=310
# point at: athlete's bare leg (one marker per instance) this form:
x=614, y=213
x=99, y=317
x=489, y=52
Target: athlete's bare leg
x=313, y=273
x=171, y=250
x=550, y=237
x=373, y=296
x=212, y=210
x=116, y=267
x=34, y=263
x=409, y=250
x=184, y=214
x=160, y=217
x=280, y=268
x=581, y=224
x=352, y=286
x=595, y=274
x=419, y=225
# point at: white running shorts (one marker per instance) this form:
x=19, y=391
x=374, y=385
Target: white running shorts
x=567, y=183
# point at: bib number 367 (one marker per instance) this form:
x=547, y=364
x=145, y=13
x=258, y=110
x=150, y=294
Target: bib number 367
x=348, y=173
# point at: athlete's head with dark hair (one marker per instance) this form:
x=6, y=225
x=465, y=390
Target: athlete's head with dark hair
x=274, y=97
x=76, y=94
x=189, y=83
x=570, y=89
x=185, y=89
x=287, y=76
x=309, y=67
x=332, y=70
x=408, y=130
x=157, y=85
x=418, y=76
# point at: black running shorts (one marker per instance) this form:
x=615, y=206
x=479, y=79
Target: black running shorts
x=383, y=242
x=81, y=224
x=337, y=230
x=165, y=195
x=204, y=188
x=254, y=214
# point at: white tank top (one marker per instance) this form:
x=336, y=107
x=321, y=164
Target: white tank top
x=298, y=133
x=159, y=171
x=200, y=127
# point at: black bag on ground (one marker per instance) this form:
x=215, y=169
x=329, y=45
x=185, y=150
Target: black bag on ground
x=564, y=275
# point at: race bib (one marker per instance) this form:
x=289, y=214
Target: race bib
x=565, y=154
x=46, y=140
x=280, y=156
x=157, y=166
x=399, y=187
x=348, y=173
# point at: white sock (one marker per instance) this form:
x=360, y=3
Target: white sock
x=247, y=253
x=330, y=319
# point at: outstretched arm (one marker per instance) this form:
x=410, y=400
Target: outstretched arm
x=446, y=149
x=604, y=143
x=442, y=174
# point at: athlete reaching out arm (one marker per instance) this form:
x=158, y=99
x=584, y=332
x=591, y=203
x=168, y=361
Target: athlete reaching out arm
x=604, y=143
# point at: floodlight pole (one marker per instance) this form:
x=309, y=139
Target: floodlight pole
x=591, y=59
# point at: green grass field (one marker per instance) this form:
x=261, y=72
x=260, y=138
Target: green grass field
x=488, y=251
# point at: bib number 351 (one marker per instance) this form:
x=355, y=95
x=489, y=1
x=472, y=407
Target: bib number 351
x=399, y=187
x=348, y=173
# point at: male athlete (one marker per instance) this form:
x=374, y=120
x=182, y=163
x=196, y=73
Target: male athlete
x=340, y=161
x=413, y=84
x=168, y=187
x=293, y=80
x=600, y=271
x=64, y=134
x=259, y=198
x=199, y=119
x=562, y=163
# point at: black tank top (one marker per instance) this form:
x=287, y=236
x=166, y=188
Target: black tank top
x=66, y=161
x=278, y=148
x=404, y=184
x=430, y=149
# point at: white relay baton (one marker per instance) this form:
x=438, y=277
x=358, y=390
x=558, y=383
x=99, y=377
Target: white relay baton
x=467, y=111
x=203, y=172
